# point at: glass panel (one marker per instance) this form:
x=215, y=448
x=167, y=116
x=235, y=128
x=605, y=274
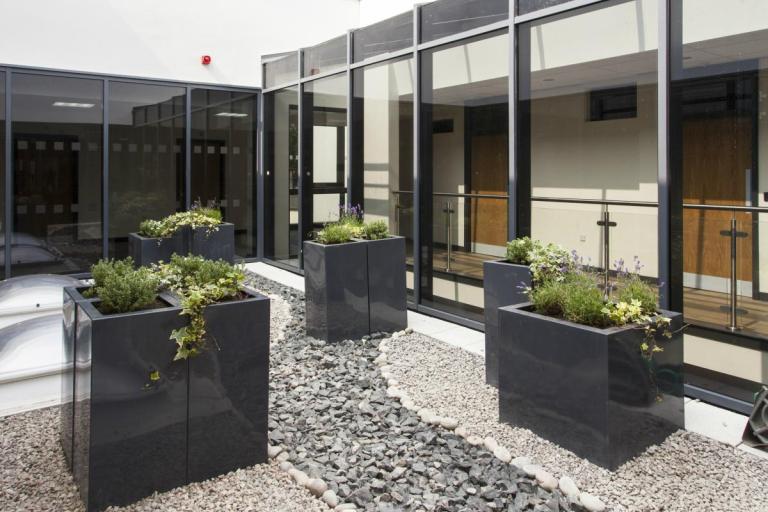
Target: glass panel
x=324, y=151
x=281, y=70
x=281, y=176
x=2, y=173
x=224, y=159
x=383, y=141
x=527, y=6
x=325, y=57
x=447, y=17
x=146, y=157
x=588, y=126
x=57, y=166
x=465, y=170
x=386, y=36
x=719, y=142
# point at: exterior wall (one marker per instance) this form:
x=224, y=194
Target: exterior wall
x=166, y=39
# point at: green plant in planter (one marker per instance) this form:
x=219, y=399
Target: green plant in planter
x=519, y=250
x=197, y=217
x=151, y=228
x=335, y=233
x=198, y=283
x=122, y=288
x=376, y=230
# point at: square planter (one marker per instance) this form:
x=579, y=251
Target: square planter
x=216, y=245
x=387, y=293
x=130, y=424
x=588, y=389
x=146, y=251
x=502, y=286
x=336, y=290
x=229, y=389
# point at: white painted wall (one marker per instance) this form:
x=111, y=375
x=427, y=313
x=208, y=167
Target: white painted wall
x=166, y=39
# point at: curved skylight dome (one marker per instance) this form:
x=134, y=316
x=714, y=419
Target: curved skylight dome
x=31, y=346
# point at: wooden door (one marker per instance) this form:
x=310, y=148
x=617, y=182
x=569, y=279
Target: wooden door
x=717, y=153
x=490, y=174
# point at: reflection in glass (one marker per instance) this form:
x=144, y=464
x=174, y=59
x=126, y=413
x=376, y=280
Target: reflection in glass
x=325, y=57
x=719, y=139
x=528, y=6
x=281, y=176
x=324, y=151
x=447, y=17
x=57, y=165
x=223, y=159
x=146, y=157
x=386, y=36
x=2, y=173
x=588, y=130
x=280, y=70
x=383, y=140
x=465, y=170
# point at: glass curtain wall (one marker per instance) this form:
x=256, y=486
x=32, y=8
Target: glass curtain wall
x=223, y=159
x=57, y=169
x=324, y=152
x=2, y=172
x=382, y=138
x=587, y=134
x=464, y=171
x=281, y=176
x=146, y=157
x=719, y=145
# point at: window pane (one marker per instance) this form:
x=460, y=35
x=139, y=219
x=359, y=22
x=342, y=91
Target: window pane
x=281, y=70
x=146, y=157
x=465, y=170
x=383, y=141
x=224, y=159
x=390, y=35
x=325, y=57
x=446, y=17
x=527, y=6
x=324, y=151
x=281, y=176
x=2, y=173
x=719, y=142
x=588, y=131
x=57, y=165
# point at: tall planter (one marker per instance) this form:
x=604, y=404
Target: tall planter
x=587, y=389
x=146, y=251
x=130, y=408
x=503, y=285
x=229, y=389
x=387, y=292
x=336, y=290
x=213, y=245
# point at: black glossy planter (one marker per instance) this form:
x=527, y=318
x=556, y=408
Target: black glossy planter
x=130, y=430
x=503, y=285
x=214, y=245
x=387, y=293
x=589, y=390
x=229, y=389
x=336, y=290
x=146, y=251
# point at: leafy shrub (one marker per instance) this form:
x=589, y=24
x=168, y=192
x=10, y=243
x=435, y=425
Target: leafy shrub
x=548, y=298
x=519, y=250
x=151, y=228
x=122, y=288
x=631, y=288
x=376, y=230
x=335, y=233
x=584, y=301
x=549, y=262
x=197, y=217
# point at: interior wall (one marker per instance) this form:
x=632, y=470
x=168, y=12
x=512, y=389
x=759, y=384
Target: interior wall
x=282, y=174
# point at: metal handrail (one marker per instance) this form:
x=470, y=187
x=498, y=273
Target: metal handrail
x=646, y=204
x=723, y=207
x=457, y=194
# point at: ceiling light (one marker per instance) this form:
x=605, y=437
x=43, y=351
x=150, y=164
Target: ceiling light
x=231, y=114
x=72, y=104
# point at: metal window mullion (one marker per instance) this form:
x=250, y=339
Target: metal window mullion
x=260, y=176
x=105, y=170
x=416, y=67
x=512, y=228
x=664, y=197
x=350, y=149
x=188, y=150
x=8, y=196
x=300, y=163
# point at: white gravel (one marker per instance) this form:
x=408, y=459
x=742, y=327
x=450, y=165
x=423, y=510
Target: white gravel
x=687, y=473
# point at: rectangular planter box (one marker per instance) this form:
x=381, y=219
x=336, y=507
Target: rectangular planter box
x=146, y=251
x=130, y=430
x=502, y=286
x=229, y=389
x=336, y=290
x=387, y=293
x=216, y=245
x=587, y=389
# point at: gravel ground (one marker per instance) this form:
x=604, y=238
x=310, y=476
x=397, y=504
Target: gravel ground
x=688, y=472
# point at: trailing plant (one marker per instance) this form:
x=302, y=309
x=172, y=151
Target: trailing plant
x=376, y=230
x=197, y=217
x=198, y=283
x=121, y=288
x=519, y=250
